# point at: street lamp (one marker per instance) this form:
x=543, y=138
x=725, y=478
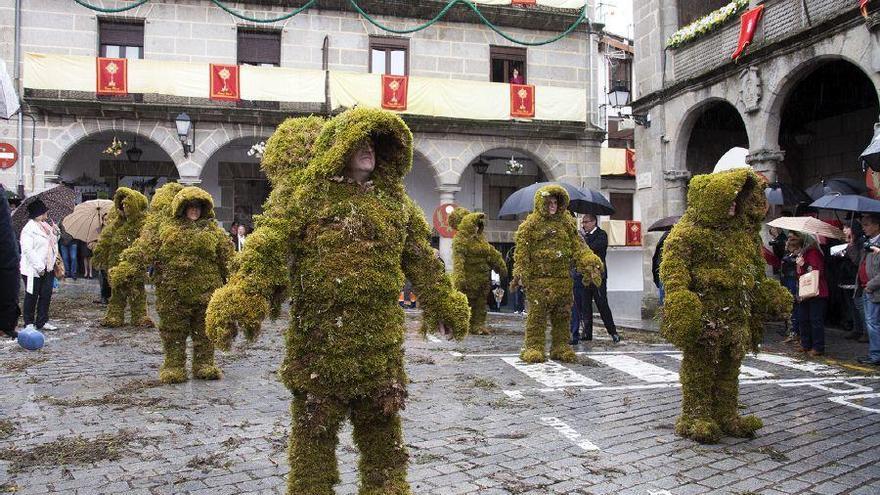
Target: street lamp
x=134, y=153
x=480, y=166
x=184, y=124
x=619, y=97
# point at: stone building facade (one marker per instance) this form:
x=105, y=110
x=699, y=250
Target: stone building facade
x=802, y=99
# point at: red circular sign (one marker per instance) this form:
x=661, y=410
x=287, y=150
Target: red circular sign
x=8, y=155
x=441, y=219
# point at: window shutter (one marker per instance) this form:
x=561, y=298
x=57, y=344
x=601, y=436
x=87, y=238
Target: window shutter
x=259, y=47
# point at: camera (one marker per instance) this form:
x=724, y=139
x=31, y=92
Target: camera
x=867, y=245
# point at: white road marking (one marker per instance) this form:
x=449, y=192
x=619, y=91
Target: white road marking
x=852, y=387
x=434, y=339
x=763, y=381
x=636, y=367
x=551, y=374
x=745, y=372
x=514, y=394
x=846, y=400
x=568, y=432
x=579, y=353
x=809, y=367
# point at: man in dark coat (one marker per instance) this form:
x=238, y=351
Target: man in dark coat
x=597, y=240
x=9, y=274
x=655, y=264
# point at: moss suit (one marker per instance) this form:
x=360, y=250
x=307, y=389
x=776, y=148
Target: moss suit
x=122, y=228
x=717, y=299
x=472, y=260
x=546, y=247
x=342, y=250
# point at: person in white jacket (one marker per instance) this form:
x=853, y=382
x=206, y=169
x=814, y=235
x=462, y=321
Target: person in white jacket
x=39, y=249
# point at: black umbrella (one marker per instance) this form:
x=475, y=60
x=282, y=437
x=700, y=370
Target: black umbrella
x=664, y=224
x=580, y=200
x=847, y=202
x=60, y=200
x=781, y=194
x=840, y=185
x=871, y=156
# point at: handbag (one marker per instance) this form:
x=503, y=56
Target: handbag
x=59, y=268
x=808, y=285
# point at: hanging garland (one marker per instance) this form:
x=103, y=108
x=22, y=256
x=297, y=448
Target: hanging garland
x=105, y=10
x=582, y=17
x=703, y=25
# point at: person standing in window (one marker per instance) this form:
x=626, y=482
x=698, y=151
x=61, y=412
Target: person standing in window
x=516, y=77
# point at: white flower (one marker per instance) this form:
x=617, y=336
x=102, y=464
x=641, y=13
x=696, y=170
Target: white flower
x=257, y=150
x=705, y=24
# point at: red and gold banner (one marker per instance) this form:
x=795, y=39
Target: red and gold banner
x=633, y=233
x=630, y=162
x=748, y=26
x=524, y=2
x=112, y=76
x=863, y=7
x=522, y=100
x=225, y=82
x=394, y=92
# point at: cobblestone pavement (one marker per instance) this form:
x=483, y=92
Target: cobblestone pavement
x=86, y=416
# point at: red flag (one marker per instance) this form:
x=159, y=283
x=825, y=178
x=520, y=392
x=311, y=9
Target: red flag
x=522, y=100
x=863, y=6
x=630, y=162
x=224, y=83
x=748, y=25
x=394, y=92
x=112, y=76
x=524, y=2
x=633, y=233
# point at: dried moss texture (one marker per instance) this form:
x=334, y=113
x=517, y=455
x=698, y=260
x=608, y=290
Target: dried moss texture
x=546, y=247
x=122, y=229
x=717, y=299
x=341, y=250
x=472, y=260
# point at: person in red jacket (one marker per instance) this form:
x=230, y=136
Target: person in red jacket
x=812, y=310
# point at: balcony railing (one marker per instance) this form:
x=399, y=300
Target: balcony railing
x=76, y=77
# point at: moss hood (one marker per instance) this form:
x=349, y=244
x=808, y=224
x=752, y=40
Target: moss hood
x=341, y=135
x=467, y=224
x=190, y=195
x=163, y=196
x=710, y=197
x=134, y=202
x=545, y=193
x=291, y=147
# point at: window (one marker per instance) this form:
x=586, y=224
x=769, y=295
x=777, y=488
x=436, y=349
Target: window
x=691, y=10
x=261, y=48
x=120, y=39
x=503, y=60
x=623, y=206
x=389, y=55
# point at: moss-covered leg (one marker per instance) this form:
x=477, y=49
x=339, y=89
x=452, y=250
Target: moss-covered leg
x=727, y=395
x=536, y=327
x=478, y=314
x=312, y=451
x=560, y=320
x=697, y=381
x=173, y=369
x=378, y=436
x=115, y=316
x=203, y=349
x=138, y=300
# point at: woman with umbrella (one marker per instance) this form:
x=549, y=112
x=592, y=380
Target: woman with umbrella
x=39, y=250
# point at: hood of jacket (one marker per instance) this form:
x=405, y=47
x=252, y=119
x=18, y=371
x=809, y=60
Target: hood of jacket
x=162, y=198
x=291, y=147
x=545, y=193
x=467, y=224
x=135, y=203
x=193, y=195
x=710, y=197
x=342, y=135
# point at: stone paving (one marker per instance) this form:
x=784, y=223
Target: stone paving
x=86, y=416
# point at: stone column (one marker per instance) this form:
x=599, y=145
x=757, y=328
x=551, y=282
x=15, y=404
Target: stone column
x=447, y=195
x=190, y=173
x=766, y=162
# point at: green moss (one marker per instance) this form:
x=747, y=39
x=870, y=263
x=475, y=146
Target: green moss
x=340, y=251
x=472, y=260
x=123, y=228
x=718, y=298
x=546, y=247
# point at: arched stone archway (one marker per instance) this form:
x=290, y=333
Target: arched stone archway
x=707, y=131
x=234, y=179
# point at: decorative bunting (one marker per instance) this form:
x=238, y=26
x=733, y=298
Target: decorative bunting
x=112, y=76
x=394, y=92
x=527, y=3
x=522, y=100
x=633, y=233
x=225, y=82
x=863, y=8
x=630, y=162
x=748, y=26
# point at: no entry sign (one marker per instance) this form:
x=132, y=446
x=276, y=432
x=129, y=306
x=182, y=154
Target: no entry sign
x=8, y=155
x=441, y=220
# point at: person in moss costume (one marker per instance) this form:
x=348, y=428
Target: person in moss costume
x=717, y=299
x=123, y=227
x=472, y=260
x=190, y=258
x=341, y=242
x=547, y=244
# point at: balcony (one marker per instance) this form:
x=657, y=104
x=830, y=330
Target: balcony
x=782, y=19
x=159, y=89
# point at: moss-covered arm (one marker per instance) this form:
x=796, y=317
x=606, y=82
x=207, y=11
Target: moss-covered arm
x=102, y=251
x=442, y=303
x=682, y=309
x=587, y=262
x=496, y=261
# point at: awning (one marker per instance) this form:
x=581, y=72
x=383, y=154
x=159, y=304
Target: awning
x=617, y=161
